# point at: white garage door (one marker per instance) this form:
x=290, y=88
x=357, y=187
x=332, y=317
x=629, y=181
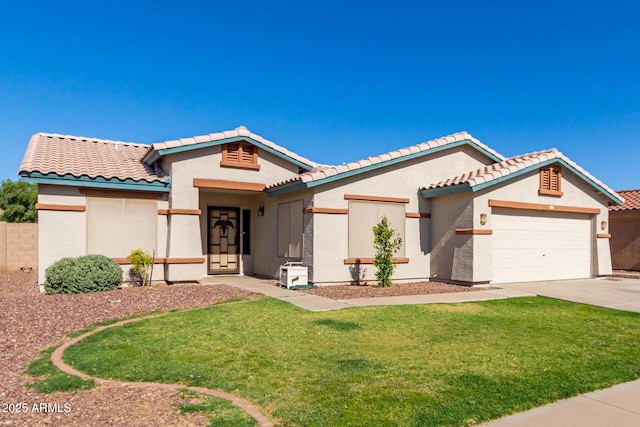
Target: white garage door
x=531, y=246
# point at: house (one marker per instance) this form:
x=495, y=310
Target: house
x=625, y=231
x=236, y=203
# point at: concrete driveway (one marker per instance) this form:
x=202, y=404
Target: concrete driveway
x=618, y=405
x=617, y=293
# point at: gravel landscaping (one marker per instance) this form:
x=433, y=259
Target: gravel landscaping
x=31, y=321
x=341, y=292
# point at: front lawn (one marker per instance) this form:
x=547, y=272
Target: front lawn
x=419, y=365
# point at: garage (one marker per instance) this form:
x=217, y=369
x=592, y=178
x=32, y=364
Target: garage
x=531, y=246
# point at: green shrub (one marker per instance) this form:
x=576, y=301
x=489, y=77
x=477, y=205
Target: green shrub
x=141, y=262
x=386, y=242
x=89, y=273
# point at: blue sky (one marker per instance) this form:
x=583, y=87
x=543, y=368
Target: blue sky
x=334, y=81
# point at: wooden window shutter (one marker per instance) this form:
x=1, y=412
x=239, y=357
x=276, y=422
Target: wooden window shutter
x=233, y=151
x=554, y=179
x=247, y=154
x=545, y=179
x=240, y=155
x=550, y=181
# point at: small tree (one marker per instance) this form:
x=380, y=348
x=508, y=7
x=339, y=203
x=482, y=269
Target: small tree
x=141, y=262
x=18, y=201
x=386, y=242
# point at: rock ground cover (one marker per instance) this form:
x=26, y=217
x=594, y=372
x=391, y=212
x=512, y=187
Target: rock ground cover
x=341, y=292
x=31, y=321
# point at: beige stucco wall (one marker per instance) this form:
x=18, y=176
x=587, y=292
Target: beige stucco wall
x=60, y=234
x=625, y=239
x=64, y=233
x=330, y=232
x=267, y=262
x=452, y=254
x=186, y=233
x=230, y=200
x=577, y=193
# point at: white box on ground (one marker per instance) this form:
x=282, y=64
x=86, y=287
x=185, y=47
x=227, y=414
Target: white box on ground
x=293, y=274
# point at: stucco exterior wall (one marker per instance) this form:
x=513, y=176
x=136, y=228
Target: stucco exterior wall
x=64, y=233
x=625, y=239
x=451, y=254
x=247, y=201
x=577, y=193
x=267, y=262
x=187, y=233
x=402, y=180
x=60, y=234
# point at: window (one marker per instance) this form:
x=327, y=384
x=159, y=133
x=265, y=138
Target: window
x=117, y=226
x=246, y=232
x=290, y=229
x=240, y=155
x=363, y=216
x=551, y=181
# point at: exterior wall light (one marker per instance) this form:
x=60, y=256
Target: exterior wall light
x=261, y=210
x=603, y=225
x=483, y=218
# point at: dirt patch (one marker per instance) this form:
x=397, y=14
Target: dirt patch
x=31, y=321
x=341, y=292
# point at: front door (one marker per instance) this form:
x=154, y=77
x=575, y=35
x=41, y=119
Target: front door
x=224, y=242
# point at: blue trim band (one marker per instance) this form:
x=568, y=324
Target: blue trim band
x=84, y=181
x=154, y=155
x=428, y=193
x=400, y=160
x=461, y=188
x=287, y=188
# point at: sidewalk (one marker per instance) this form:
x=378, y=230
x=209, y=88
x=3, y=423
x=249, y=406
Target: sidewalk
x=618, y=405
x=615, y=406
x=317, y=303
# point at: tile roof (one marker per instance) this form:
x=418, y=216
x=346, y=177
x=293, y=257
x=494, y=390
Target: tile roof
x=326, y=171
x=88, y=157
x=498, y=170
x=510, y=166
x=240, y=131
x=631, y=201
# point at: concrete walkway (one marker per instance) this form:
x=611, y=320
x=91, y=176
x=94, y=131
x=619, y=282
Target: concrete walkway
x=317, y=303
x=618, y=405
x=616, y=293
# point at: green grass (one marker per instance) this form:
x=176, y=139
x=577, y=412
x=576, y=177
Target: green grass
x=49, y=379
x=422, y=365
x=221, y=412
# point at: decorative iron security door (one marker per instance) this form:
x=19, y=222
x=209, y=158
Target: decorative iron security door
x=224, y=242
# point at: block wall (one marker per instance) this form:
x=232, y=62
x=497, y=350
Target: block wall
x=18, y=246
x=624, y=227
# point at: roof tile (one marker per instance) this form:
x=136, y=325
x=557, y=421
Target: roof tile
x=240, y=131
x=93, y=158
x=396, y=154
x=230, y=133
x=512, y=165
x=631, y=201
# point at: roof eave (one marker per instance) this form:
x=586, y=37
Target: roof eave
x=390, y=162
x=286, y=188
x=610, y=195
x=154, y=154
x=99, y=182
x=428, y=193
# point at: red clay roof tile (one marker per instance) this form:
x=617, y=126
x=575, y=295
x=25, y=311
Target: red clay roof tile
x=94, y=158
x=510, y=166
x=631, y=201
